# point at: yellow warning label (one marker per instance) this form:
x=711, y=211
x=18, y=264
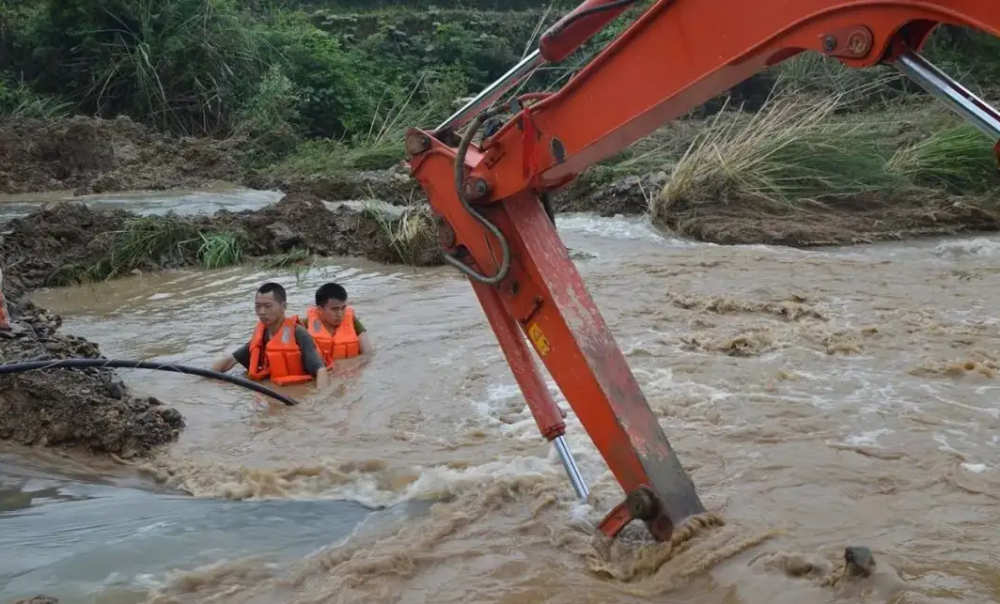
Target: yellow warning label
x=539, y=339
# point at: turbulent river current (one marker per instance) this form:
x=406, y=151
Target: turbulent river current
x=819, y=399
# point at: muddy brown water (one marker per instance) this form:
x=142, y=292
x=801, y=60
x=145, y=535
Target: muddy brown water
x=833, y=397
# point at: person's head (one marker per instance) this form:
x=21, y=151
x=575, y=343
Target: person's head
x=331, y=300
x=269, y=303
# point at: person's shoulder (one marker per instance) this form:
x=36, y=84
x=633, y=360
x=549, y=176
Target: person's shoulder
x=301, y=332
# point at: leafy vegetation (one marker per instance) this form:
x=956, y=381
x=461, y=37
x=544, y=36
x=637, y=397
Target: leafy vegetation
x=324, y=87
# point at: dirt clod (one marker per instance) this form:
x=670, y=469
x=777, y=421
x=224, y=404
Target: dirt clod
x=88, y=408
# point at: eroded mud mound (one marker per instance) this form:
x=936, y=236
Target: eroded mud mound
x=843, y=222
x=89, y=408
x=61, y=240
x=89, y=155
x=37, y=246
x=627, y=195
x=304, y=221
x=394, y=186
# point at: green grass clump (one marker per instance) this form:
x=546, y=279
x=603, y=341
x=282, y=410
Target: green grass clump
x=791, y=151
x=958, y=159
x=18, y=102
x=158, y=241
x=220, y=249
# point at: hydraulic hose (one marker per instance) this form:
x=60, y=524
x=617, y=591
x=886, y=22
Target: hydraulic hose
x=120, y=364
x=462, y=150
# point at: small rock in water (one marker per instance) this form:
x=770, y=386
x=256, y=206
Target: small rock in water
x=860, y=561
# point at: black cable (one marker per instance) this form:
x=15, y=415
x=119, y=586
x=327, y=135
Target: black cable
x=591, y=11
x=119, y=364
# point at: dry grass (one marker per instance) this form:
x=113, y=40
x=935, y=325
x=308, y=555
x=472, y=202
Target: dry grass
x=793, y=150
x=409, y=235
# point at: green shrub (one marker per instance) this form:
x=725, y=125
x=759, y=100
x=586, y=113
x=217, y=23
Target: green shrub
x=335, y=91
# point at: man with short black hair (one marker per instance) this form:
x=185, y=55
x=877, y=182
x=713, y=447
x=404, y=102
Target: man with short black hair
x=280, y=348
x=337, y=331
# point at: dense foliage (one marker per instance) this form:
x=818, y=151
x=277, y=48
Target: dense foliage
x=349, y=73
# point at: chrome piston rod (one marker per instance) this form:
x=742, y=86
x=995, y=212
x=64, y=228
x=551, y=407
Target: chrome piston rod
x=958, y=98
x=493, y=92
x=579, y=485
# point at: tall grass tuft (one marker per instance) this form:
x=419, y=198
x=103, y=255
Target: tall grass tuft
x=958, y=159
x=184, y=63
x=817, y=75
x=157, y=241
x=18, y=102
x=792, y=150
x=220, y=249
x=410, y=235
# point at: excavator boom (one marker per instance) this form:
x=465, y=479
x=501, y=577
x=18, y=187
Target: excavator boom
x=491, y=198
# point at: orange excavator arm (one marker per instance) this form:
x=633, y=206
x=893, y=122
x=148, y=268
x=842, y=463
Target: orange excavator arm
x=490, y=198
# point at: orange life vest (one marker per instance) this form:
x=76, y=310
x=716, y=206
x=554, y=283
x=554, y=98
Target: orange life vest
x=282, y=359
x=342, y=344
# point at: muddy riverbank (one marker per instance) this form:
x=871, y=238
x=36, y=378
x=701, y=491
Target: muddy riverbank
x=88, y=155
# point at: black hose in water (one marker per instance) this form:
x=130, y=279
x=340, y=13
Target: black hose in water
x=119, y=364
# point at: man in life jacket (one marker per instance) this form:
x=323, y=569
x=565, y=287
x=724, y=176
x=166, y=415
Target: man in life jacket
x=337, y=331
x=280, y=348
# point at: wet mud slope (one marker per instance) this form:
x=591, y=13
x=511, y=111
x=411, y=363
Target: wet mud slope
x=90, y=409
x=88, y=155
x=841, y=222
